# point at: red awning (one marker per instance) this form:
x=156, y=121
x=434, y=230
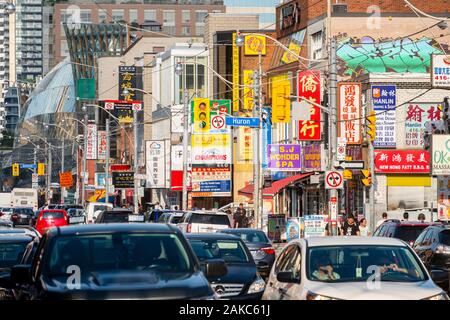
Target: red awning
x=276, y=186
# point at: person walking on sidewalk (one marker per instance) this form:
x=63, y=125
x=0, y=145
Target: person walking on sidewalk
x=240, y=216
x=350, y=228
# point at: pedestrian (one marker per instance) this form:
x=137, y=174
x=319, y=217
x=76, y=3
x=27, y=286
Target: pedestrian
x=350, y=228
x=384, y=218
x=405, y=216
x=140, y=209
x=239, y=216
x=421, y=217
x=230, y=216
x=157, y=206
x=363, y=228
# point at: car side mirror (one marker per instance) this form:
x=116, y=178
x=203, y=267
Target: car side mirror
x=21, y=274
x=439, y=276
x=215, y=268
x=286, y=276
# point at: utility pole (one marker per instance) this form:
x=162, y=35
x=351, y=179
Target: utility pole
x=35, y=160
x=185, y=140
x=49, y=173
x=83, y=185
x=63, y=190
x=135, y=162
x=107, y=162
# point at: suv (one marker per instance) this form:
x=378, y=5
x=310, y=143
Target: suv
x=119, y=215
x=407, y=231
x=204, y=222
x=115, y=261
x=433, y=248
x=22, y=216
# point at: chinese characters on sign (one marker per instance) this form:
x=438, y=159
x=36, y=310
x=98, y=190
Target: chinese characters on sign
x=123, y=179
x=235, y=88
x=314, y=225
x=248, y=91
x=309, y=88
x=312, y=158
x=284, y=157
x=350, y=112
x=216, y=180
x=255, y=45
x=65, y=179
x=127, y=80
x=156, y=162
x=384, y=101
x=91, y=148
x=440, y=71
x=402, y=161
x=101, y=145
x=245, y=144
x=420, y=116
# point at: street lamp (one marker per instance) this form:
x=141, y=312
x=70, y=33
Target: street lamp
x=239, y=39
x=179, y=69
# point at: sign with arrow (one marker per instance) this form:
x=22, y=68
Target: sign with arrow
x=351, y=165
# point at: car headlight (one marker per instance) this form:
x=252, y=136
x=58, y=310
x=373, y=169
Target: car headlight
x=314, y=296
x=440, y=296
x=257, y=286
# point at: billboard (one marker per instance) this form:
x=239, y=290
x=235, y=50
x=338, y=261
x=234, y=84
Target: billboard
x=440, y=71
x=155, y=152
x=213, y=180
x=419, y=118
x=284, y=157
x=402, y=161
x=123, y=179
x=309, y=88
x=384, y=99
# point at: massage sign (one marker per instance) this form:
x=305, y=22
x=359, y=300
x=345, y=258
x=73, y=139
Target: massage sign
x=284, y=157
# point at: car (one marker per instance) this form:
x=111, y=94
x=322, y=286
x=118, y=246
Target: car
x=22, y=216
x=93, y=209
x=12, y=248
x=172, y=217
x=5, y=213
x=27, y=230
x=117, y=215
x=76, y=215
x=407, y=231
x=242, y=282
x=350, y=268
x=154, y=215
x=433, y=248
x=259, y=245
x=51, y=218
x=115, y=261
x=204, y=222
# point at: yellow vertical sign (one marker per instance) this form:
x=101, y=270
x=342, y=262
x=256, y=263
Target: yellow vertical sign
x=281, y=104
x=202, y=115
x=235, y=75
x=15, y=170
x=41, y=169
x=248, y=91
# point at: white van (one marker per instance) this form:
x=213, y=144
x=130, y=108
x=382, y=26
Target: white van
x=94, y=208
x=204, y=222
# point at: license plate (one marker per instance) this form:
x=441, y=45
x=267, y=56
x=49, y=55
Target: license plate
x=76, y=220
x=23, y=216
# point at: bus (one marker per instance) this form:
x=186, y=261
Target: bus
x=24, y=197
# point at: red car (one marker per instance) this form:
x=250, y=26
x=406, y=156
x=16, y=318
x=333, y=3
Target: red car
x=51, y=218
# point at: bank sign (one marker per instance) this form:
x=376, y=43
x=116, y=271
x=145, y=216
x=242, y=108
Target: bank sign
x=440, y=155
x=284, y=157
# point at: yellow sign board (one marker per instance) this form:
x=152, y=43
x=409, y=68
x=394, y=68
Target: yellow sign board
x=281, y=104
x=245, y=144
x=235, y=88
x=255, y=45
x=288, y=57
x=210, y=140
x=348, y=175
x=248, y=91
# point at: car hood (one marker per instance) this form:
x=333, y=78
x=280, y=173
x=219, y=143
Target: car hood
x=237, y=273
x=129, y=285
x=386, y=290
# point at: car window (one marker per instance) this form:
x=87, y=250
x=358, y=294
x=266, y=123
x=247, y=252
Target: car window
x=291, y=262
x=53, y=215
x=420, y=239
x=283, y=258
x=210, y=219
x=251, y=236
x=444, y=237
x=162, y=218
x=175, y=219
x=110, y=217
x=231, y=251
x=11, y=253
x=409, y=233
x=382, y=229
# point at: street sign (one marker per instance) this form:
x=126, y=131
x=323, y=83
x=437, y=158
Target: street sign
x=34, y=178
x=354, y=165
x=242, y=122
x=341, y=147
x=35, y=185
x=218, y=122
x=89, y=187
x=333, y=180
x=27, y=166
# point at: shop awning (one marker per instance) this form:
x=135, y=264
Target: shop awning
x=276, y=186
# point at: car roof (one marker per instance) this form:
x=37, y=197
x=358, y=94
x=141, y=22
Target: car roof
x=53, y=210
x=114, y=227
x=208, y=212
x=352, y=240
x=211, y=236
x=241, y=230
x=15, y=237
x=409, y=222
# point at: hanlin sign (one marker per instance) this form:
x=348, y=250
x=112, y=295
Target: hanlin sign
x=91, y=147
x=402, y=161
x=284, y=157
x=384, y=98
x=309, y=88
x=156, y=163
x=349, y=112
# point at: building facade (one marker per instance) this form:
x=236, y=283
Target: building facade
x=265, y=9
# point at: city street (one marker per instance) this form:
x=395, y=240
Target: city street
x=225, y=150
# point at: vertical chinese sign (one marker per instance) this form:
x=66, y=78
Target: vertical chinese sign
x=384, y=102
x=101, y=147
x=91, y=148
x=248, y=91
x=309, y=88
x=419, y=117
x=235, y=75
x=349, y=112
x=127, y=80
x=156, y=163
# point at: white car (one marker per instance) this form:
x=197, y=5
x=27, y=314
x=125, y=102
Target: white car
x=350, y=268
x=204, y=222
x=94, y=208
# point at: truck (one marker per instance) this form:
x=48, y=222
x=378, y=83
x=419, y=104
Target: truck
x=24, y=197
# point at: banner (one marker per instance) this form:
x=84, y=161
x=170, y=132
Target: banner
x=284, y=157
x=440, y=71
x=312, y=160
x=91, y=148
x=101, y=145
x=254, y=45
x=292, y=229
x=123, y=179
x=100, y=180
x=155, y=163
x=236, y=69
x=245, y=144
x=309, y=88
x=65, y=179
x=402, y=161
x=440, y=154
x=419, y=117
x=248, y=90
x=349, y=112
x=384, y=99
x=215, y=180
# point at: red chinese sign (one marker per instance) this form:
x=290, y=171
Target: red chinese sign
x=349, y=113
x=402, y=161
x=309, y=88
x=419, y=116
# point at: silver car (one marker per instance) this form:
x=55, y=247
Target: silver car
x=353, y=268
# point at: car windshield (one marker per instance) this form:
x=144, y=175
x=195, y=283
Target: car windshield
x=358, y=263
x=101, y=208
x=7, y=210
x=53, y=215
x=251, y=236
x=228, y=250
x=444, y=237
x=11, y=253
x=73, y=212
x=409, y=233
x=210, y=219
x=120, y=216
x=152, y=252
x=176, y=219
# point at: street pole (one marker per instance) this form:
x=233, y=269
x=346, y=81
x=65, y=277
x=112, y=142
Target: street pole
x=135, y=162
x=185, y=140
x=256, y=178
x=49, y=173
x=63, y=190
x=107, y=162
x=35, y=160
x=83, y=185
x=332, y=128
x=371, y=214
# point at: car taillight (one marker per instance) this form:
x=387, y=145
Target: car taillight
x=268, y=250
x=188, y=228
x=14, y=216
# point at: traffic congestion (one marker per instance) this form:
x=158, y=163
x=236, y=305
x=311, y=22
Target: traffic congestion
x=105, y=252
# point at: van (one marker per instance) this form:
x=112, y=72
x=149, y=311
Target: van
x=94, y=208
x=204, y=222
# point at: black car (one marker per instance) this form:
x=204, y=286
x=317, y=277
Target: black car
x=433, y=248
x=259, y=245
x=22, y=216
x=118, y=215
x=115, y=261
x=407, y=231
x=155, y=214
x=12, y=248
x=242, y=280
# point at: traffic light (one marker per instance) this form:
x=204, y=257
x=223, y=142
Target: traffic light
x=41, y=169
x=15, y=170
x=367, y=177
x=281, y=103
x=371, y=127
x=202, y=115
